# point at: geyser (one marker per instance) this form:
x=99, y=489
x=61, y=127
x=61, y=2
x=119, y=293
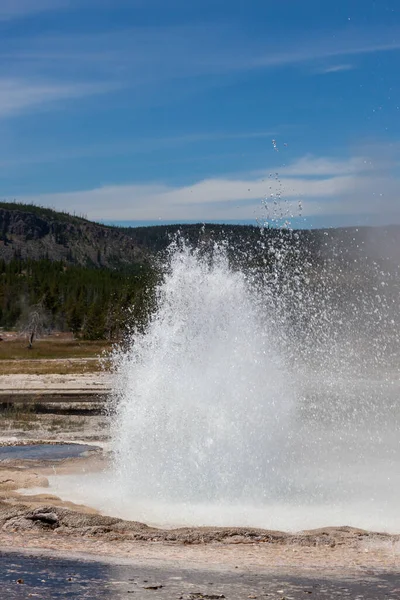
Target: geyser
x=203, y=399
x=240, y=404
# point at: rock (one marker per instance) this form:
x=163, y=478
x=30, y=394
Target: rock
x=49, y=518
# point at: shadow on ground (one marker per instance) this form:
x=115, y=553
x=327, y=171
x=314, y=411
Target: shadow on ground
x=23, y=576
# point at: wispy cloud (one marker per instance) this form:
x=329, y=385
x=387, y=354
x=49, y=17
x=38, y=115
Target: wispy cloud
x=332, y=45
x=334, y=69
x=16, y=9
x=350, y=187
x=147, y=55
x=180, y=60
x=142, y=146
x=17, y=95
x=310, y=166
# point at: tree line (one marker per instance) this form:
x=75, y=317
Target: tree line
x=91, y=303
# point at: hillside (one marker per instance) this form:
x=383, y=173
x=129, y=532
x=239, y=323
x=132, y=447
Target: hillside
x=85, y=277
x=31, y=232
x=339, y=244
x=65, y=273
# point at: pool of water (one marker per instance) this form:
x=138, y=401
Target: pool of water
x=44, y=451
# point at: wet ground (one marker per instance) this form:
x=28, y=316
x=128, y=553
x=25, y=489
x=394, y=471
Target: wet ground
x=24, y=576
x=347, y=567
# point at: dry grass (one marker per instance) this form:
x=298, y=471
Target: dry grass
x=52, y=355
x=16, y=349
x=19, y=417
x=50, y=367
x=56, y=354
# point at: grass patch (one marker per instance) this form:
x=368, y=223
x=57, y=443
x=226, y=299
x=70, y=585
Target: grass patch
x=21, y=417
x=49, y=367
x=52, y=348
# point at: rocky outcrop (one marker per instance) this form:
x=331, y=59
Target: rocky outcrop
x=24, y=225
x=19, y=518
x=34, y=233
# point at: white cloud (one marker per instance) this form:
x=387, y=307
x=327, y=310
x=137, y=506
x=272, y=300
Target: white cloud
x=20, y=95
x=351, y=188
x=310, y=165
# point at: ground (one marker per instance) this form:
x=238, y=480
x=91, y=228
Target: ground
x=46, y=543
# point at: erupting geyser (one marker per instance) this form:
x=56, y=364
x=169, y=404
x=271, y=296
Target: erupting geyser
x=239, y=404
x=204, y=401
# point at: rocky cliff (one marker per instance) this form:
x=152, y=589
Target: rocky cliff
x=32, y=232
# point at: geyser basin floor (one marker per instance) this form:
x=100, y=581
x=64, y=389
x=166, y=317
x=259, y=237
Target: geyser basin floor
x=96, y=491
x=71, y=577
x=341, y=466
x=344, y=469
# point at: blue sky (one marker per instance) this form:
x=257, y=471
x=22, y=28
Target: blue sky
x=179, y=110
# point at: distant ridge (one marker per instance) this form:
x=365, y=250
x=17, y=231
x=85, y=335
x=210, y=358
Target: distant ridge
x=34, y=232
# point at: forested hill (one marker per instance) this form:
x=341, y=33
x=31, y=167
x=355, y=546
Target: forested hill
x=342, y=244
x=32, y=232
x=72, y=274
x=62, y=272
